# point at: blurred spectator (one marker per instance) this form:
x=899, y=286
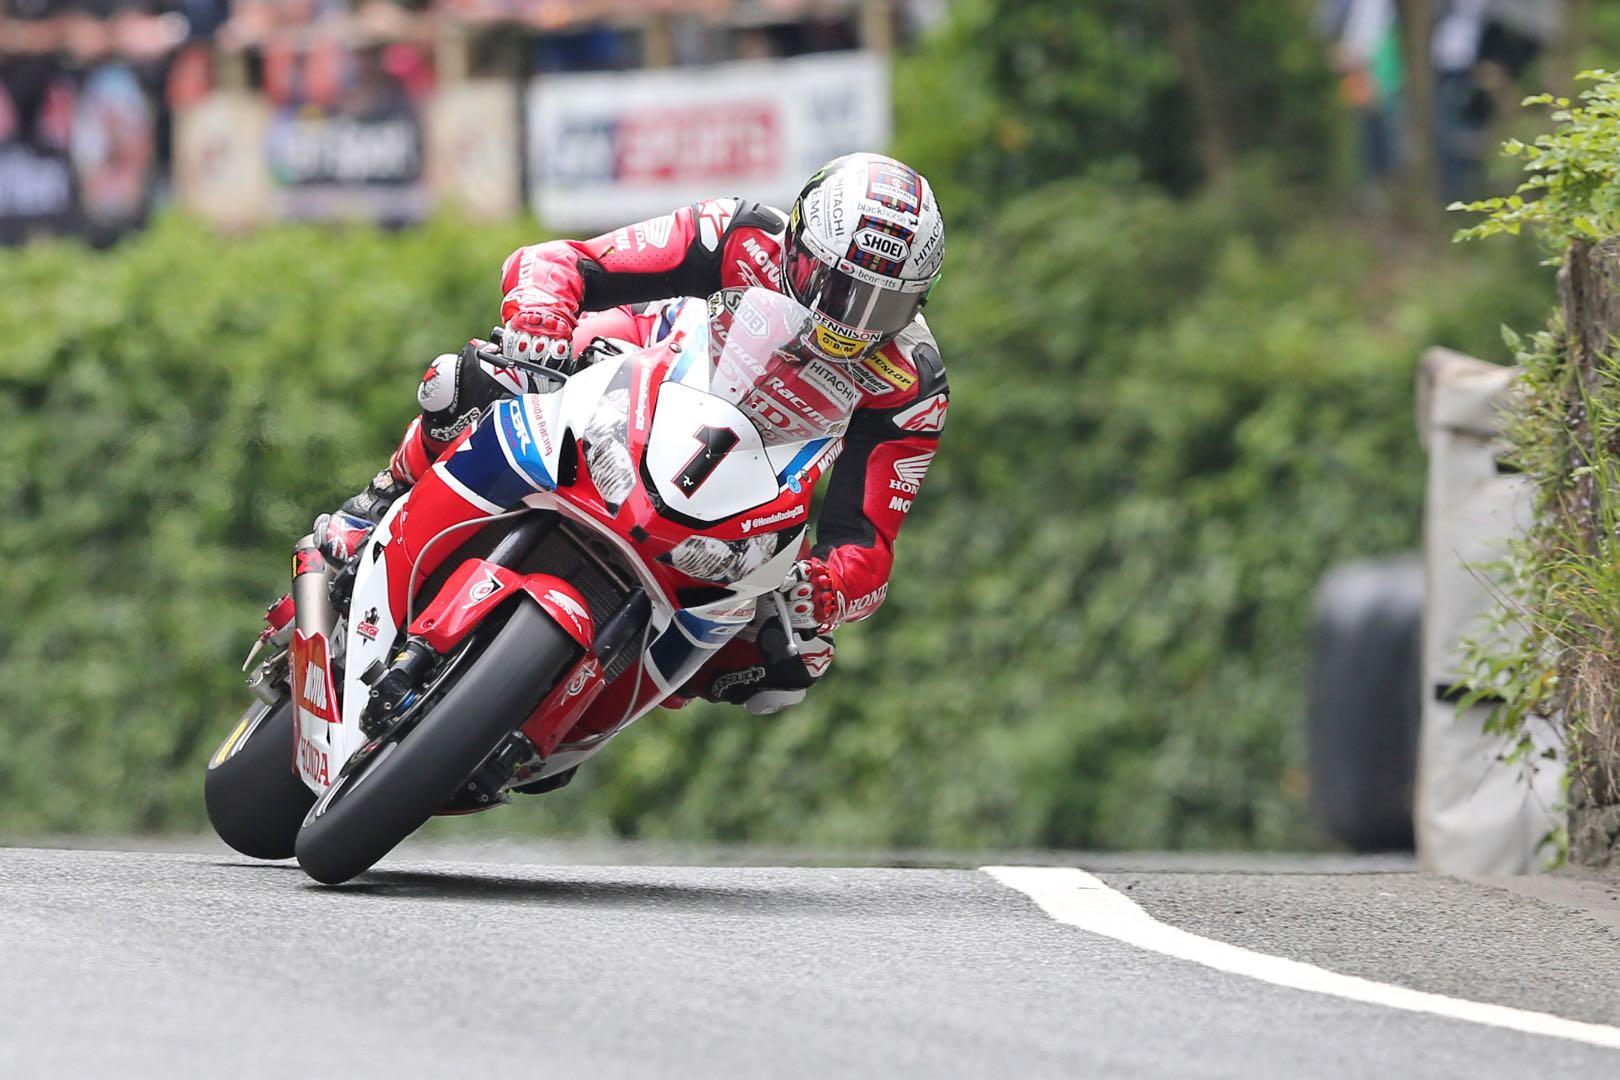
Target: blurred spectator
x=1480, y=50
x=1366, y=43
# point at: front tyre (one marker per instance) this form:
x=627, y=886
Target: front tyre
x=255, y=800
x=364, y=815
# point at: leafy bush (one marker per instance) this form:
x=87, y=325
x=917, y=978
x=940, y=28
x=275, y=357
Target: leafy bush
x=1572, y=190
x=1561, y=583
x=177, y=410
x=1044, y=90
x=1168, y=417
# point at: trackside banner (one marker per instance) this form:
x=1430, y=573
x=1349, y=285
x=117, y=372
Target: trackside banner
x=605, y=149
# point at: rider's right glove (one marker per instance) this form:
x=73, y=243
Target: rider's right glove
x=539, y=336
x=815, y=596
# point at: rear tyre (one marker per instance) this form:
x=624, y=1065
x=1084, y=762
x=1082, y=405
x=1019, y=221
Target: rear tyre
x=255, y=800
x=363, y=816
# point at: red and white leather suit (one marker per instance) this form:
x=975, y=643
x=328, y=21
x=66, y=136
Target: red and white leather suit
x=695, y=251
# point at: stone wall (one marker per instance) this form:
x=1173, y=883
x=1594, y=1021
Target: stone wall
x=1589, y=292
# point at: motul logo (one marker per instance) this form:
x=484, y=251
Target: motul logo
x=315, y=686
x=902, y=505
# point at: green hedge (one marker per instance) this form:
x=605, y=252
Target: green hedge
x=1167, y=419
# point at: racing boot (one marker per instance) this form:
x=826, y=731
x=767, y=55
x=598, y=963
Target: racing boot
x=342, y=533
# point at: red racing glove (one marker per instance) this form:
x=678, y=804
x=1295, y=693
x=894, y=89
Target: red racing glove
x=815, y=596
x=539, y=336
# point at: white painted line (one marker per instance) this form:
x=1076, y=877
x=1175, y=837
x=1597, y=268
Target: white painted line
x=1077, y=898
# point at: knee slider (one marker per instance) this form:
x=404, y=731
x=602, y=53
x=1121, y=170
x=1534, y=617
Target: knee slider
x=455, y=392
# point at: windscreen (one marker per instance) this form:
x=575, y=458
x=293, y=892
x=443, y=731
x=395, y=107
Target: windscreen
x=761, y=364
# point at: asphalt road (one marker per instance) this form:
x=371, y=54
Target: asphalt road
x=132, y=964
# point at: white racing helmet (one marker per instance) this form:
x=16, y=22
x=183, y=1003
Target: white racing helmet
x=865, y=242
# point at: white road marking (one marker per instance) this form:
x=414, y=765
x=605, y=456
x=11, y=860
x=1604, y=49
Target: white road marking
x=1077, y=898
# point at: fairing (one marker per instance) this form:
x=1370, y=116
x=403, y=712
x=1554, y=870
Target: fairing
x=695, y=459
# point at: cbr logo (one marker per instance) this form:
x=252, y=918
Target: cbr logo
x=483, y=590
x=512, y=420
x=890, y=247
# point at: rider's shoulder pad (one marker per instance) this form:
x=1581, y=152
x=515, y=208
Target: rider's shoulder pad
x=917, y=346
x=754, y=215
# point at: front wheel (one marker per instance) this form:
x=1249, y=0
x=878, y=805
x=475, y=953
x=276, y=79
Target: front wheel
x=255, y=800
x=364, y=815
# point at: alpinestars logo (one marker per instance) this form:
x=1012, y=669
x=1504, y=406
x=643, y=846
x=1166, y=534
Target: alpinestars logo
x=924, y=416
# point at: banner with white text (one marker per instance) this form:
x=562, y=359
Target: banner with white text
x=605, y=149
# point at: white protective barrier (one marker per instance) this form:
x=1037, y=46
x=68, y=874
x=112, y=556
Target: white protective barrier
x=1474, y=814
x=606, y=149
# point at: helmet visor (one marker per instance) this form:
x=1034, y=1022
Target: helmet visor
x=855, y=315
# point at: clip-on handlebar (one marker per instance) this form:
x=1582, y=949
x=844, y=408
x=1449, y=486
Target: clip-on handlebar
x=493, y=354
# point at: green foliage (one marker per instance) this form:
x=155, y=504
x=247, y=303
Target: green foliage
x=179, y=410
x=1168, y=418
x=1573, y=188
x=1560, y=586
x=1044, y=90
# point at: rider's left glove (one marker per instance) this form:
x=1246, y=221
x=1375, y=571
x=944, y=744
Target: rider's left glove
x=815, y=596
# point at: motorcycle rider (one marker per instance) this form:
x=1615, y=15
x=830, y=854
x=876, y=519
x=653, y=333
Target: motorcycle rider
x=861, y=248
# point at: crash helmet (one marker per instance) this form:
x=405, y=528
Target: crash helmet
x=864, y=246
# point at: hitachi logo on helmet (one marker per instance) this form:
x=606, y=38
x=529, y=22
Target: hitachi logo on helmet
x=890, y=247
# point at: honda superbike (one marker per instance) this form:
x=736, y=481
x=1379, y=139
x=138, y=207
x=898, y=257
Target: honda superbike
x=569, y=562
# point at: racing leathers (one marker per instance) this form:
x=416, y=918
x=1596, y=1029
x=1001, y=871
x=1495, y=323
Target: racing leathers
x=899, y=412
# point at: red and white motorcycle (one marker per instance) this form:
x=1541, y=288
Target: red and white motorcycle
x=568, y=562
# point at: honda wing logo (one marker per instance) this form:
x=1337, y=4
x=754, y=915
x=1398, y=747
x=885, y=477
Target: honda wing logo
x=912, y=469
x=908, y=476
x=570, y=607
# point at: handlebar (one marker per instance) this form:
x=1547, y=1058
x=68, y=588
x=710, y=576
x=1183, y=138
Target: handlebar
x=491, y=354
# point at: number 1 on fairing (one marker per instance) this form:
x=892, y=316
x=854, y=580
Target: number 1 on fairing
x=714, y=444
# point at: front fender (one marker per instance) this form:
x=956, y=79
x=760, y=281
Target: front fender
x=478, y=587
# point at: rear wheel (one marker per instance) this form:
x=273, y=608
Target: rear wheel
x=364, y=815
x=255, y=800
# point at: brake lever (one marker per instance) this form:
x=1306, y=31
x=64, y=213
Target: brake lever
x=496, y=358
x=791, y=640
